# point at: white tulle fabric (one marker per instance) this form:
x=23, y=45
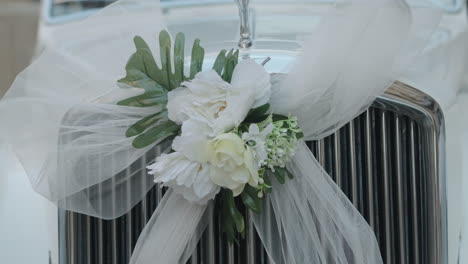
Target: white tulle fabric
x=310, y=220
x=176, y=221
x=61, y=119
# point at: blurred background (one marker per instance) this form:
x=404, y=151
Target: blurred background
x=18, y=31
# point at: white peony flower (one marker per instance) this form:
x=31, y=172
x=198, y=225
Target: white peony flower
x=220, y=105
x=232, y=163
x=188, y=178
x=250, y=76
x=199, y=99
x=256, y=140
x=194, y=141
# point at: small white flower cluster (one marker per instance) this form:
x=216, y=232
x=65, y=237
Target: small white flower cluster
x=281, y=143
x=256, y=140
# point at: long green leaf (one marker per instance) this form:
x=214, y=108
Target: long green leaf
x=227, y=206
x=141, y=68
x=151, y=98
x=157, y=133
x=277, y=117
x=267, y=180
x=281, y=174
x=232, y=60
x=250, y=198
x=220, y=61
x=229, y=230
x=228, y=224
x=140, y=126
x=198, y=55
x=257, y=115
x=234, y=212
x=149, y=63
x=179, y=47
x=143, y=71
x=165, y=50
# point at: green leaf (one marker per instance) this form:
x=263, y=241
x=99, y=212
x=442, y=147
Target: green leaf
x=267, y=180
x=229, y=228
x=157, y=133
x=140, y=126
x=143, y=71
x=257, y=115
x=280, y=174
x=141, y=68
x=250, y=198
x=232, y=60
x=232, y=219
x=300, y=135
x=179, y=47
x=234, y=213
x=198, y=55
x=220, y=61
x=277, y=117
x=150, y=65
x=165, y=51
x=150, y=98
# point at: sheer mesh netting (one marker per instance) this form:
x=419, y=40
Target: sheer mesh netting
x=62, y=121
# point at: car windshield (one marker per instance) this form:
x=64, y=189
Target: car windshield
x=68, y=7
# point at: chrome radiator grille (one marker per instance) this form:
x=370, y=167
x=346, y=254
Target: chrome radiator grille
x=388, y=161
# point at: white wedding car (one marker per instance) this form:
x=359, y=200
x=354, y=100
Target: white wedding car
x=37, y=232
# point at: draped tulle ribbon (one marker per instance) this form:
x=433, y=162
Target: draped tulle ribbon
x=62, y=122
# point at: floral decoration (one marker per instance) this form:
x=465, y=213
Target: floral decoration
x=225, y=143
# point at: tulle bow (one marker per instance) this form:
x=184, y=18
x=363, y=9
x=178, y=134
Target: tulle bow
x=61, y=119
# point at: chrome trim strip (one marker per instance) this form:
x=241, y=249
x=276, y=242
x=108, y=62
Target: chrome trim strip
x=423, y=108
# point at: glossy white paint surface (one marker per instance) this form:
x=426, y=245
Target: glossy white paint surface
x=28, y=222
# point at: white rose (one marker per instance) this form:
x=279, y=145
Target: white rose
x=220, y=105
x=232, y=163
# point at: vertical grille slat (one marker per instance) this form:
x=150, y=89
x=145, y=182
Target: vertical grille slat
x=337, y=158
x=210, y=243
x=415, y=220
x=114, y=235
x=71, y=241
x=352, y=165
x=345, y=173
x=369, y=170
x=385, y=161
x=250, y=245
x=321, y=152
x=400, y=194
x=230, y=257
x=386, y=192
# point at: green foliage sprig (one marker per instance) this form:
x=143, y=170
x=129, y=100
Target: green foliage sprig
x=285, y=131
x=156, y=81
x=143, y=72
